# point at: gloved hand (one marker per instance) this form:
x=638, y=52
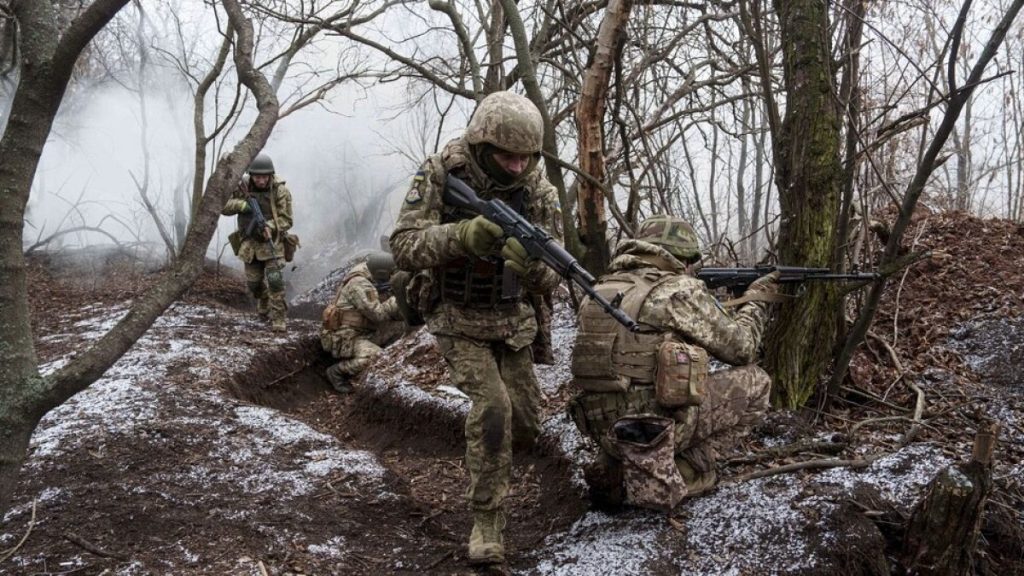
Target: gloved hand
x=767, y=284
x=479, y=236
x=237, y=206
x=516, y=256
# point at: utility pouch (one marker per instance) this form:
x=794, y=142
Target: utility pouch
x=332, y=317
x=681, y=372
x=647, y=447
x=592, y=367
x=399, y=288
x=235, y=239
x=291, y=244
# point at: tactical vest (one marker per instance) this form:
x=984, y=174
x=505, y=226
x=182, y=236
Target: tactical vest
x=471, y=282
x=607, y=357
x=344, y=314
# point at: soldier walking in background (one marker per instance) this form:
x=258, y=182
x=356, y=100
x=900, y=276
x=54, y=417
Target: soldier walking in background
x=262, y=248
x=647, y=399
x=358, y=323
x=470, y=286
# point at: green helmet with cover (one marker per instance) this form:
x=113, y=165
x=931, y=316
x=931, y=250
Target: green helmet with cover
x=508, y=121
x=261, y=164
x=381, y=266
x=671, y=233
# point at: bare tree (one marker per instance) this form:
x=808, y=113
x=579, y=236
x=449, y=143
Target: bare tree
x=47, y=56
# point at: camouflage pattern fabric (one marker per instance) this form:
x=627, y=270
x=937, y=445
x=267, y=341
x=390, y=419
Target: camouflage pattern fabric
x=506, y=404
x=276, y=199
x=420, y=241
x=734, y=398
x=647, y=446
x=358, y=346
x=674, y=234
x=508, y=121
x=257, y=274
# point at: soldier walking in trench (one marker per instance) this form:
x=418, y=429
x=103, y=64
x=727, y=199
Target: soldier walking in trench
x=262, y=249
x=470, y=285
x=647, y=399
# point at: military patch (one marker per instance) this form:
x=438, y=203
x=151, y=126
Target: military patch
x=416, y=191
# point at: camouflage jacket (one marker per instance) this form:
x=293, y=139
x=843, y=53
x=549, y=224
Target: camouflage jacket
x=276, y=205
x=685, y=306
x=358, y=309
x=425, y=239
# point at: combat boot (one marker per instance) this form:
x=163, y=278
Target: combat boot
x=697, y=482
x=486, y=545
x=278, y=325
x=338, y=379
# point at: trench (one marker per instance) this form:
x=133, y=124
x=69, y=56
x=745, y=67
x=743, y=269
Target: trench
x=424, y=450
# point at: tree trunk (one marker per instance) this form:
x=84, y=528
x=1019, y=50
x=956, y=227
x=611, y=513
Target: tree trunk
x=25, y=397
x=943, y=528
x=590, y=124
x=800, y=343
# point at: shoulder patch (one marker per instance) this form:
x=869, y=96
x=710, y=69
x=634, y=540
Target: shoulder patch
x=415, y=193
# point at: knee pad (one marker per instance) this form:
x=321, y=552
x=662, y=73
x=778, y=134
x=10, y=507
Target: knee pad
x=275, y=280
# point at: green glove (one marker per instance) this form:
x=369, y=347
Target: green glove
x=479, y=236
x=237, y=206
x=515, y=256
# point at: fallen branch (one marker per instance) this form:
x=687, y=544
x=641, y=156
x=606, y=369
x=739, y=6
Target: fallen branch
x=90, y=547
x=788, y=450
x=808, y=465
x=31, y=524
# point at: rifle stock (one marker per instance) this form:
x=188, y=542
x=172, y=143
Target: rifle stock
x=537, y=242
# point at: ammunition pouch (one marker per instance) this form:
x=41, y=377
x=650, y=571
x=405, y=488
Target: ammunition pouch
x=335, y=318
x=647, y=445
x=291, y=244
x=478, y=283
x=682, y=370
x=235, y=239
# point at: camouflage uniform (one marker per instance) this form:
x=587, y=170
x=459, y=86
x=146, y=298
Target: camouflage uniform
x=264, y=262
x=476, y=307
x=677, y=308
x=356, y=326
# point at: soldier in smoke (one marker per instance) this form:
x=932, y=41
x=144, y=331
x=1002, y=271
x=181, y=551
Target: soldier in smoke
x=470, y=285
x=647, y=399
x=262, y=248
x=358, y=322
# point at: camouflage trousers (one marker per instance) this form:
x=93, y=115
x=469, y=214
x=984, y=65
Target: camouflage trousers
x=363, y=354
x=506, y=403
x=735, y=399
x=266, y=283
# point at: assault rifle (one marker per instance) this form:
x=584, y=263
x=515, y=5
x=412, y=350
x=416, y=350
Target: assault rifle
x=258, y=222
x=538, y=243
x=738, y=279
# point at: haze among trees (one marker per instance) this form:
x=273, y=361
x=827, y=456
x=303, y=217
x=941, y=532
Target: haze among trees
x=778, y=128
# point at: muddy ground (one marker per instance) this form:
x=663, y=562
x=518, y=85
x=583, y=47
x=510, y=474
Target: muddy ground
x=216, y=447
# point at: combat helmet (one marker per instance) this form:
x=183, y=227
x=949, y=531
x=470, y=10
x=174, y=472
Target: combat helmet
x=381, y=265
x=261, y=164
x=508, y=121
x=671, y=233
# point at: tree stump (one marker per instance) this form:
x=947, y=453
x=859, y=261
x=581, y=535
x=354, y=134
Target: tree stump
x=943, y=527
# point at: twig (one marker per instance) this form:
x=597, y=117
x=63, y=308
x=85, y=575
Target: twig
x=263, y=569
x=31, y=524
x=90, y=547
x=788, y=450
x=809, y=464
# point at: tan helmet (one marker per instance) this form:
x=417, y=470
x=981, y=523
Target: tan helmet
x=509, y=121
x=381, y=265
x=671, y=233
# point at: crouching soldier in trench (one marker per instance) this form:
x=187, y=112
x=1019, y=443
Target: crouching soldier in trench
x=262, y=250
x=358, y=322
x=647, y=398
x=470, y=285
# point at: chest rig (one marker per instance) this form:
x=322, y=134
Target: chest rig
x=607, y=357
x=471, y=282
x=265, y=198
